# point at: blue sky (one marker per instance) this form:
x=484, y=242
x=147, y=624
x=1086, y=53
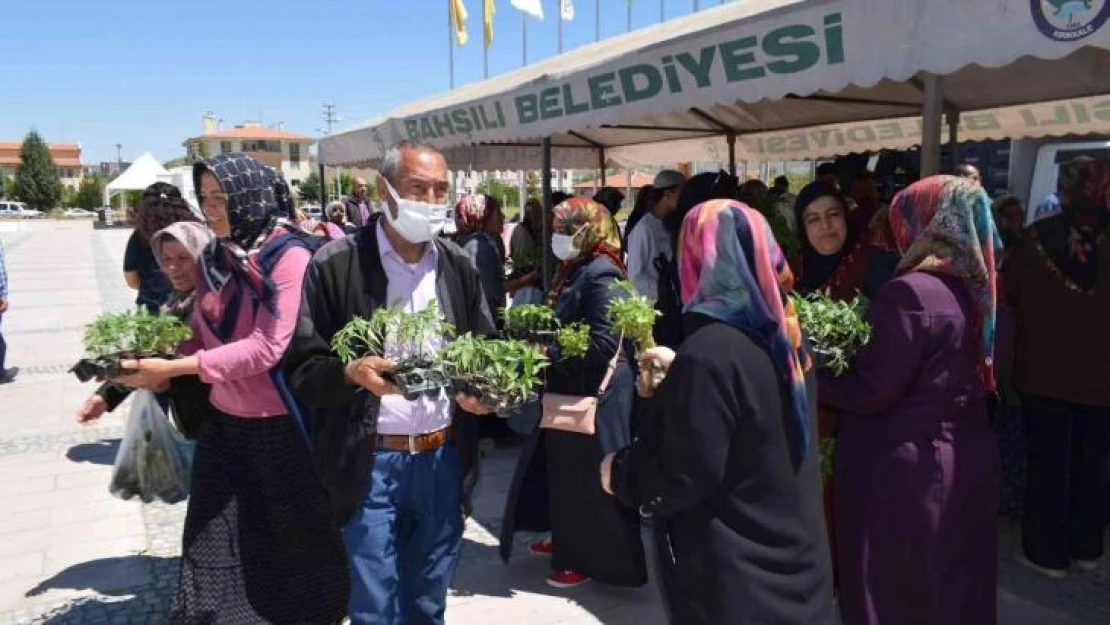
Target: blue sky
x=142, y=73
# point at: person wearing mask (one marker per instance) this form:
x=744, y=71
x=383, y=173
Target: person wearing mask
x=526, y=249
x=1058, y=284
x=177, y=237
x=968, y=172
x=260, y=543
x=916, y=472
x=728, y=465
x=6, y=375
x=357, y=205
x=161, y=205
x=396, y=469
x=648, y=239
x=555, y=485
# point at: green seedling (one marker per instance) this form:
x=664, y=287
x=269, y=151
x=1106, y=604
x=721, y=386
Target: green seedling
x=836, y=329
x=113, y=336
x=502, y=373
x=530, y=322
x=633, y=316
x=573, y=340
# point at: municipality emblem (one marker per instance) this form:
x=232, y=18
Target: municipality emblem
x=1070, y=20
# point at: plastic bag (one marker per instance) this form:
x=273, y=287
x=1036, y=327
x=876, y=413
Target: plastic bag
x=150, y=462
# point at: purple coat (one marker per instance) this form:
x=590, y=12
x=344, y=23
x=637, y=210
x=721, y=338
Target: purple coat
x=916, y=478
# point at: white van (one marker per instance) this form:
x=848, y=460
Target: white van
x=18, y=210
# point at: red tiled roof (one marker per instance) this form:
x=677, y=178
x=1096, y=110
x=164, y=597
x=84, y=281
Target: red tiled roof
x=64, y=154
x=258, y=133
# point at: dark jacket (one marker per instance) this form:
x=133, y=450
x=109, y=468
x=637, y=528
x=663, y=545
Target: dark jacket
x=345, y=278
x=354, y=211
x=713, y=463
x=483, y=249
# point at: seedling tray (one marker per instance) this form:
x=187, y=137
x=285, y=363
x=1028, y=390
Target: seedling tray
x=504, y=408
x=417, y=379
x=107, y=368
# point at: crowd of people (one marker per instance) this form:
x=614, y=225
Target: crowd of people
x=319, y=492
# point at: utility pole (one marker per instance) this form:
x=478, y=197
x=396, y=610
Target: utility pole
x=119, y=159
x=330, y=119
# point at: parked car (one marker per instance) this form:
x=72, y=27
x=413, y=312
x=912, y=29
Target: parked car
x=18, y=210
x=78, y=213
x=313, y=212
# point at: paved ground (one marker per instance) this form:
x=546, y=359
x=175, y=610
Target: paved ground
x=70, y=553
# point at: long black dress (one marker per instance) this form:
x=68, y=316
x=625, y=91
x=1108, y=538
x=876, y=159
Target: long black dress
x=556, y=486
x=743, y=526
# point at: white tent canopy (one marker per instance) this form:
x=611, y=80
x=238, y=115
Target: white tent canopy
x=142, y=173
x=754, y=67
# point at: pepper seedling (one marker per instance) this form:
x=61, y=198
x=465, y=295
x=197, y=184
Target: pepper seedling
x=533, y=323
x=503, y=374
x=835, y=329
x=633, y=316
x=573, y=340
x=113, y=337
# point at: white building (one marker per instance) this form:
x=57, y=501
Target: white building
x=285, y=151
x=466, y=182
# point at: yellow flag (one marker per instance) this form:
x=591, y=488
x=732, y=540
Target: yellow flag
x=487, y=21
x=458, y=18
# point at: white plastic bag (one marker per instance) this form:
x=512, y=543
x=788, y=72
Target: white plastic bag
x=150, y=462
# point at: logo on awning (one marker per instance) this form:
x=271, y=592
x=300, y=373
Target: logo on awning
x=1070, y=20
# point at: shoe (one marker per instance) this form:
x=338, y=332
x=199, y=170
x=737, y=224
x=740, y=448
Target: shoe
x=1088, y=565
x=566, y=579
x=8, y=375
x=542, y=547
x=1047, y=572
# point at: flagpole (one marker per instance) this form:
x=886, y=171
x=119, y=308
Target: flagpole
x=485, y=60
x=629, y=15
x=597, y=22
x=524, y=47
x=662, y=10
x=559, y=18
x=451, y=43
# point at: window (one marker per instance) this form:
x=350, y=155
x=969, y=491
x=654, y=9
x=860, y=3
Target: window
x=295, y=154
x=273, y=146
x=225, y=147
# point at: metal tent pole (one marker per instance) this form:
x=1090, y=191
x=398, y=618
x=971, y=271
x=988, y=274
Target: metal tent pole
x=931, y=114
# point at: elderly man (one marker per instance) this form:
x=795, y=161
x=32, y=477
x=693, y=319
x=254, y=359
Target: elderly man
x=358, y=210
x=395, y=468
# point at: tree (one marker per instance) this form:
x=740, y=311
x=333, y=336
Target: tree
x=91, y=193
x=507, y=193
x=532, y=184
x=36, y=180
x=346, y=183
x=310, y=188
x=3, y=185
x=9, y=187
x=69, y=197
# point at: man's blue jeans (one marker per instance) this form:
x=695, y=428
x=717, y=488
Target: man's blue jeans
x=404, y=540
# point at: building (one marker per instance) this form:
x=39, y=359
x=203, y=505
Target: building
x=67, y=160
x=285, y=151
x=110, y=169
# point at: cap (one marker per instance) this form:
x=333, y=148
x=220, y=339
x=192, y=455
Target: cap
x=668, y=178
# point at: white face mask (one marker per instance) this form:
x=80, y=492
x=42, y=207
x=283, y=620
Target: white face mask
x=562, y=245
x=416, y=222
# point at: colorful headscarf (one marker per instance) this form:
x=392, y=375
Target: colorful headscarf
x=943, y=224
x=472, y=212
x=732, y=269
x=597, y=236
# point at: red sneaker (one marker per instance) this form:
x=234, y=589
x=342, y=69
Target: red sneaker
x=542, y=547
x=566, y=579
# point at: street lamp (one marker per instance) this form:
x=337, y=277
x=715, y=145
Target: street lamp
x=119, y=158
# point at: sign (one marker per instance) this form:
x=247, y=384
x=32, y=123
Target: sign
x=1069, y=20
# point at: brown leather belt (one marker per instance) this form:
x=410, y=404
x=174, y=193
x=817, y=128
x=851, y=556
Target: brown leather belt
x=416, y=443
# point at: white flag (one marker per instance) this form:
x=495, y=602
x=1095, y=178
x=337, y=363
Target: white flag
x=566, y=9
x=531, y=7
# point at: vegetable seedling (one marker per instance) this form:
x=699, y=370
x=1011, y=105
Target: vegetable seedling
x=533, y=323
x=112, y=337
x=573, y=340
x=503, y=374
x=835, y=329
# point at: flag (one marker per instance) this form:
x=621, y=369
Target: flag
x=531, y=7
x=487, y=21
x=458, y=18
x=566, y=10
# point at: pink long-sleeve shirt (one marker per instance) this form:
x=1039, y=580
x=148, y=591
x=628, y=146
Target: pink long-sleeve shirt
x=239, y=371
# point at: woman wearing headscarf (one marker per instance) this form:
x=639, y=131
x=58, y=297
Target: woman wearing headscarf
x=555, y=486
x=916, y=466
x=260, y=544
x=177, y=248
x=526, y=249
x=478, y=225
x=727, y=462
x=1058, y=286
x=160, y=206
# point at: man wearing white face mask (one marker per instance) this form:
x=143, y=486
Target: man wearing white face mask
x=397, y=470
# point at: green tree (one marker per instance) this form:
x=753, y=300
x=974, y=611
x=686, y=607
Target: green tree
x=69, y=197
x=508, y=194
x=3, y=185
x=91, y=192
x=346, y=183
x=310, y=188
x=36, y=180
x=9, y=187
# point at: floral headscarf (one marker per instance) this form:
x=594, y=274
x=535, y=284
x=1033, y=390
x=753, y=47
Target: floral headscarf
x=597, y=236
x=732, y=269
x=472, y=212
x=943, y=224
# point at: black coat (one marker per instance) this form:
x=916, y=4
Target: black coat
x=713, y=464
x=344, y=279
x=556, y=484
